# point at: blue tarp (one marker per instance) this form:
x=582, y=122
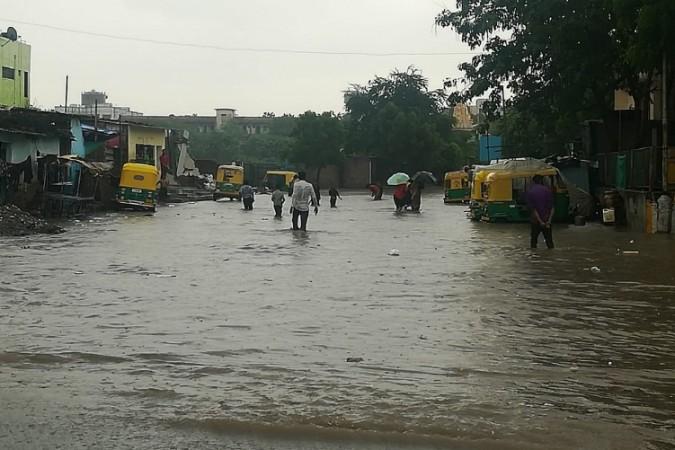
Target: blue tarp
x=490, y=148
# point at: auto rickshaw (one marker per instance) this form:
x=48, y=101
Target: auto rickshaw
x=456, y=187
x=476, y=200
x=138, y=186
x=275, y=178
x=504, y=194
x=229, y=179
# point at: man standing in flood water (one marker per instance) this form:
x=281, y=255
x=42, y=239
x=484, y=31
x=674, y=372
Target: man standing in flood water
x=540, y=202
x=303, y=194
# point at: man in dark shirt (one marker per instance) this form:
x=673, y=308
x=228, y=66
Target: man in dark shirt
x=540, y=202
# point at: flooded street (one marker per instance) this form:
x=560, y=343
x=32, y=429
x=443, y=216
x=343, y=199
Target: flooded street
x=207, y=327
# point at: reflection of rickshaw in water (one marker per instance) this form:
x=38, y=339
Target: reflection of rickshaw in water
x=498, y=192
x=456, y=187
x=278, y=179
x=138, y=186
x=229, y=179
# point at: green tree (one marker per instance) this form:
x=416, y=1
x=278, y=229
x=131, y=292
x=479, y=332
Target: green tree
x=222, y=146
x=400, y=121
x=561, y=60
x=265, y=148
x=318, y=141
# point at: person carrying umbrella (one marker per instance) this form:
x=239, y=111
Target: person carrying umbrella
x=399, y=180
x=416, y=187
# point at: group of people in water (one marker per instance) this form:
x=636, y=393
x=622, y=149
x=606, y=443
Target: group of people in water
x=303, y=195
x=408, y=196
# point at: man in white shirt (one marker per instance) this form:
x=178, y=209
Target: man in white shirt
x=303, y=194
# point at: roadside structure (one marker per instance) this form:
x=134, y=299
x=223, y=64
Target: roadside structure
x=636, y=162
x=95, y=103
x=16, y=69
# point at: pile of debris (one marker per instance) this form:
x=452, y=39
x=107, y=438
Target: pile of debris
x=16, y=222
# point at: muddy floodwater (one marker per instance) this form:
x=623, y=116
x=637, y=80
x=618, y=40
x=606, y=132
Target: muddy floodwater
x=208, y=327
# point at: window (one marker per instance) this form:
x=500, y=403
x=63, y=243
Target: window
x=145, y=154
x=8, y=72
x=26, y=92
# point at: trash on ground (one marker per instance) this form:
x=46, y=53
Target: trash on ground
x=16, y=222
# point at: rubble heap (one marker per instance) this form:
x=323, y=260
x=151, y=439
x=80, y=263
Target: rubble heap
x=16, y=222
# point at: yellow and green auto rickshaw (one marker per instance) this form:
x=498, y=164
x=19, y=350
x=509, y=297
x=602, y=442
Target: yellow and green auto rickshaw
x=229, y=179
x=456, y=187
x=278, y=178
x=504, y=194
x=476, y=200
x=138, y=186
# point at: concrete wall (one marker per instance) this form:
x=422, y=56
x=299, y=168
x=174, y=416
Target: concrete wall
x=357, y=172
x=19, y=146
x=15, y=55
x=155, y=137
x=330, y=176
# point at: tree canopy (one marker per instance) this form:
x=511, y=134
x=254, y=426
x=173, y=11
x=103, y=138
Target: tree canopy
x=560, y=59
x=231, y=143
x=401, y=121
x=318, y=141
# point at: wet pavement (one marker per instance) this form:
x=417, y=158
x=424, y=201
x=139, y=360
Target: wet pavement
x=204, y=327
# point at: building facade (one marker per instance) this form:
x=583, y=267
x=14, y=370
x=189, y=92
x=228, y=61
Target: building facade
x=94, y=103
x=15, y=66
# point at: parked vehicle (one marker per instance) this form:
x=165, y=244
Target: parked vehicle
x=498, y=191
x=476, y=200
x=229, y=179
x=456, y=186
x=504, y=195
x=275, y=178
x=138, y=186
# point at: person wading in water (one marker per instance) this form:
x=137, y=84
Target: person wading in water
x=303, y=194
x=540, y=202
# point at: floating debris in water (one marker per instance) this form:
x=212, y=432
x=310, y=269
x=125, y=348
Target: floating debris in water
x=394, y=252
x=354, y=359
x=595, y=269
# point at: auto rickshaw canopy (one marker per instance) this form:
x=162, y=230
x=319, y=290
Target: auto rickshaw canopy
x=233, y=173
x=140, y=176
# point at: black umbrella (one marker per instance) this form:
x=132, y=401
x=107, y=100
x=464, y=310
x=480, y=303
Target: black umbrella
x=424, y=177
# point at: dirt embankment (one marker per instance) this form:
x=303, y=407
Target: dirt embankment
x=16, y=222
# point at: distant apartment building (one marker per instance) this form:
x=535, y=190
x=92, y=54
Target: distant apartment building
x=477, y=107
x=223, y=116
x=15, y=77
x=462, y=116
x=95, y=103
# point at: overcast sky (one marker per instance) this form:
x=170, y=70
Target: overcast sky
x=163, y=79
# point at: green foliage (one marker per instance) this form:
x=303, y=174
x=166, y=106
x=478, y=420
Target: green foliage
x=222, y=146
x=561, y=60
x=265, y=148
x=400, y=121
x=231, y=143
x=318, y=140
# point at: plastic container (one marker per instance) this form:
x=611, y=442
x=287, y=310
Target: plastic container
x=608, y=215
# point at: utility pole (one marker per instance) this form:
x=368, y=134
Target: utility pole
x=664, y=124
x=65, y=105
x=96, y=120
